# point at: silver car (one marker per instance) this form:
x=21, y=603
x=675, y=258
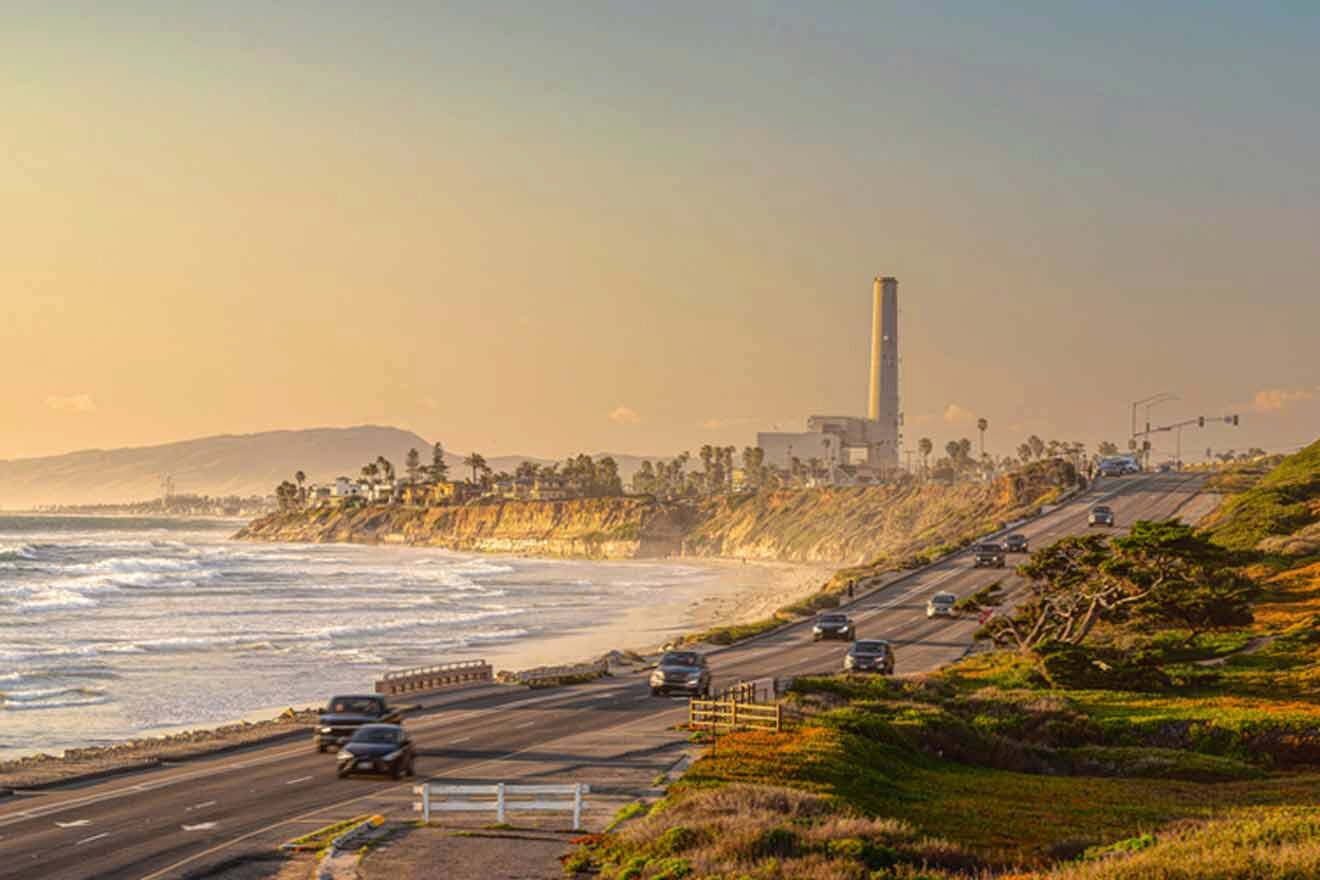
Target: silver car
x=1100, y=516
x=941, y=605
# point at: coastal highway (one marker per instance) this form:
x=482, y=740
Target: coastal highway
x=184, y=820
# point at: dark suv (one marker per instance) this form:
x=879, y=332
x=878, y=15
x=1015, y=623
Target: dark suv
x=988, y=555
x=682, y=671
x=870, y=655
x=343, y=716
x=1016, y=544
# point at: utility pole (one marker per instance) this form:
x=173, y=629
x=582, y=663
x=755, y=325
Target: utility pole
x=1147, y=401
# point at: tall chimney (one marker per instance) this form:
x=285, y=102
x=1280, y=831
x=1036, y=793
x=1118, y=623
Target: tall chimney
x=873, y=396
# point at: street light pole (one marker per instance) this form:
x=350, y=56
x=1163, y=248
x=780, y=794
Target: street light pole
x=1147, y=401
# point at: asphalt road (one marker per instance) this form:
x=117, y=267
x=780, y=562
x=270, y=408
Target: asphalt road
x=178, y=821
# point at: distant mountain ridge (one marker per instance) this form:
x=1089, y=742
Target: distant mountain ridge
x=227, y=464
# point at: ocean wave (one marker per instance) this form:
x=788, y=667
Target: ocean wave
x=59, y=703
x=45, y=694
x=18, y=553
x=49, y=600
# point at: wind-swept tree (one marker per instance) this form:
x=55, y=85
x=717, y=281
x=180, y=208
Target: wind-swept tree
x=1106, y=448
x=370, y=472
x=1037, y=446
x=413, y=465
x=301, y=478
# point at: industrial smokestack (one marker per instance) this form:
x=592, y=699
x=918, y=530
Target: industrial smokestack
x=882, y=403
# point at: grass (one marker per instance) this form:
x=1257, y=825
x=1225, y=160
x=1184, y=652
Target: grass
x=1281, y=503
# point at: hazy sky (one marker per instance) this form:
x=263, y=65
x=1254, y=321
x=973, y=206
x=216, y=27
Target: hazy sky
x=549, y=227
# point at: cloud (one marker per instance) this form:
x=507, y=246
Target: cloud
x=1275, y=399
x=717, y=424
x=625, y=415
x=73, y=403
x=956, y=415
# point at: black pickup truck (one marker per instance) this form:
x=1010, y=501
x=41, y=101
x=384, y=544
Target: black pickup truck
x=343, y=715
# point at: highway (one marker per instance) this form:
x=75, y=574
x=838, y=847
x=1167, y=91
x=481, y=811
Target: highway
x=179, y=821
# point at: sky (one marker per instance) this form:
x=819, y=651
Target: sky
x=551, y=228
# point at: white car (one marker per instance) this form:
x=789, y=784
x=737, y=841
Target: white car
x=941, y=605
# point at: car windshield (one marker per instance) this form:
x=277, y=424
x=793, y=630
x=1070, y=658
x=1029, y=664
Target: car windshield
x=1102, y=510
x=989, y=548
x=870, y=647
x=679, y=658
x=834, y=618
x=354, y=706
x=388, y=735
x=943, y=599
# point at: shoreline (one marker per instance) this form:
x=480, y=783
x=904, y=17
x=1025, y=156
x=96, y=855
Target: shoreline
x=733, y=591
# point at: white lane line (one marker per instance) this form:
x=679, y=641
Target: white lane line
x=93, y=837
x=201, y=826
x=76, y=823
x=203, y=805
x=300, y=779
x=461, y=739
x=524, y=724
x=643, y=697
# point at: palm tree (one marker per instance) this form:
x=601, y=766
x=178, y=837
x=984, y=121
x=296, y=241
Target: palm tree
x=926, y=447
x=301, y=478
x=386, y=469
x=370, y=471
x=1036, y=445
x=981, y=425
x=476, y=462
x=413, y=464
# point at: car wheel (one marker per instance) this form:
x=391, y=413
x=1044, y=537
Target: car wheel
x=320, y=747
x=655, y=692
x=342, y=773
x=412, y=766
x=396, y=772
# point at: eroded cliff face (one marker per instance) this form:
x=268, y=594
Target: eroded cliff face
x=844, y=526
x=587, y=528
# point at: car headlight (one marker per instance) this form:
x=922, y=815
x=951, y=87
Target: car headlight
x=345, y=755
x=657, y=677
x=816, y=628
x=327, y=730
x=392, y=756
x=694, y=677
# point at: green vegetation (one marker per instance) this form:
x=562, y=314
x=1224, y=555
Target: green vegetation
x=1168, y=728
x=1279, y=514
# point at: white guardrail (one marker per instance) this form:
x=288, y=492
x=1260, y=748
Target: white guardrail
x=501, y=798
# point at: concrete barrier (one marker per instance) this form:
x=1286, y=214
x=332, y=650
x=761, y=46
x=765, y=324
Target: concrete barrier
x=548, y=674
x=424, y=679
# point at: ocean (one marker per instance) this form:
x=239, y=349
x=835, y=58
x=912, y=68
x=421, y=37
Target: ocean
x=113, y=628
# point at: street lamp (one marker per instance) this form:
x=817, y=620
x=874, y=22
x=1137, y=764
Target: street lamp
x=1151, y=405
x=1147, y=402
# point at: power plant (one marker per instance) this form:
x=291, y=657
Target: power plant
x=865, y=447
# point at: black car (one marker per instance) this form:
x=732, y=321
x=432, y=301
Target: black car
x=834, y=625
x=870, y=655
x=377, y=748
x=1100, y=516
x=343, y=716
x=682, y=671
x=1016, y=544
x=988, y=555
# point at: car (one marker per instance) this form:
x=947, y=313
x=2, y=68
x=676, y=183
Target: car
x=377, y=748
x=684, y=671
x=1016, y=544
x=941, y=605
x=988, y=554
x=833, y=625
x=1100, y=516
x=870, y=655
x=344, y=714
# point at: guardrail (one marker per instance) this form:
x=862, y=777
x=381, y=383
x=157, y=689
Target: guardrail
x=718, y=715
x=501, y=798
x=545, y=674
x=435, y=678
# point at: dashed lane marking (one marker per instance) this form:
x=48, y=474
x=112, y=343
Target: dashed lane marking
x=202, y=806
x=300, y=779
x=93, y=837
x=76, y=823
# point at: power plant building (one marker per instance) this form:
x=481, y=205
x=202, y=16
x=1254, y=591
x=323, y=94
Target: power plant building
x=868, y=445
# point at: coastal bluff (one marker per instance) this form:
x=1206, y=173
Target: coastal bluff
x=847, y=526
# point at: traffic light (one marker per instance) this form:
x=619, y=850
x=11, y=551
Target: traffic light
x=1200, y=421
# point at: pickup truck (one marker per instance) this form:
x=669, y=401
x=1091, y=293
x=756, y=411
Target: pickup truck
x=343, y=715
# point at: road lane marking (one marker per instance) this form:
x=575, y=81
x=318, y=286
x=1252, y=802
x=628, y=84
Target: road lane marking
x=201, y=826
x=524, y=724
x=300, y=779
x=93, y=837
x=203, y=805
x=461, y=739
x=76, y=823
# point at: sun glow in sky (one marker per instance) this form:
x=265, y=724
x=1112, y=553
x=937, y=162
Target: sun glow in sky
x=546, y=228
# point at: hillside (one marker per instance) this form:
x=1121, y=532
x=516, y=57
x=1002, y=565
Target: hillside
x=229, y=464
x=809, y=525
x=1279, y=514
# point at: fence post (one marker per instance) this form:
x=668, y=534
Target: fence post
x=733, y=725
x=577, y=807
x=499, y=804
x=779, y=717
x=426, y=802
